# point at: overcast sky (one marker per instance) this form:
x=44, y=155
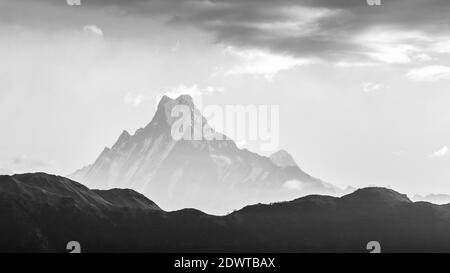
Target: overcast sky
x=363, y=90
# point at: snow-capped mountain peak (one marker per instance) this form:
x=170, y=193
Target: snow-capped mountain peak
x=213, y=175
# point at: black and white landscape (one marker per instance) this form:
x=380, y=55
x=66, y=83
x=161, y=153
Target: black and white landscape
x=212, y=175
x=41, y=212
x=250, y=126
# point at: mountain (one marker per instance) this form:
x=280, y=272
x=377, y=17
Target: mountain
x=210, y=173
x=126, y=198
x=283, y=159
x=59, y=191
x=41, y=213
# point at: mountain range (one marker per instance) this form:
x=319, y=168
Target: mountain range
x=212, y=175
x=41, y=213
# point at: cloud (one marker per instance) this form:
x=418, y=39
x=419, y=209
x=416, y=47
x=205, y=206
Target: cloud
x=444, y=151
x=261, y=63
x=193, y=90
x=293, y=185
x=325, y=29
x=135, y=99
x=44, y=62
x=93, y=29
x=442, y=46
x=25, y=163
x=176, y=47
x=349, y=64
x=422, y=57
x=392, y=53
x=371, y=87
x=388, y=45
x=429, y=73
x=399, y=153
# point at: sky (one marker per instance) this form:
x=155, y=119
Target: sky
x=363, y=90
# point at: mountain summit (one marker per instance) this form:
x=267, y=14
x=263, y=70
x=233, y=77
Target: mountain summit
x=283, y=159
x=212, y=175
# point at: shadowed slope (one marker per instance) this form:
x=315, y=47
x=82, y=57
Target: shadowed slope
x=41, y=212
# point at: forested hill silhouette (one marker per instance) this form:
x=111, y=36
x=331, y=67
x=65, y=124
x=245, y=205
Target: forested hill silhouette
x=41, y=213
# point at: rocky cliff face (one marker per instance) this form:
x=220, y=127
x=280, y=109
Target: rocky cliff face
x=212, y=174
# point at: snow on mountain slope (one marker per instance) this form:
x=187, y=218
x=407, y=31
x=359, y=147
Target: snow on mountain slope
x=212, y=175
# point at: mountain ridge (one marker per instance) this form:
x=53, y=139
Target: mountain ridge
x=41, y=213
x=283, y=159
x=209, y=174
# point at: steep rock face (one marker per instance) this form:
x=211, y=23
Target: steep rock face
x=211, y=174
